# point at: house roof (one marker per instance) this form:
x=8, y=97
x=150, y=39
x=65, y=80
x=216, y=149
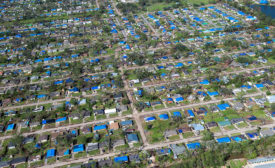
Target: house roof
x=163, y=151
x=50, y=153
x=197, y=127
x=100, y=127
x=126, y=122
x=78, y=148
x=176, y=114
x=121, y=159
x=224, y=123
x=114, y=126
x=194, y=145
x=147, y=119
x=164, y=116
x=177, y=150
x=132, y=138
x=223, y=140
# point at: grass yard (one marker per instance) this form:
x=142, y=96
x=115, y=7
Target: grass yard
x=113, y=115
x=80, y=155
x=127, y=112
x=100, y=117
x=174, y=138
x=216, y=129
x=187, y=135
x=242, y=125
x=229, y=127
x=23, y=165
x=156, y=133
x=95, y=152
x=236, y=163
x=51, y=160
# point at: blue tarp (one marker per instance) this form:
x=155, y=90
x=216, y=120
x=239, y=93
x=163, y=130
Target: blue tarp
x=164, y=116
x=204, y=82
x=100, y=127
x=10, y=127
x=178, y=99
x=78, y=148
x=260, y=85
x=190, y=112
x=223, y=140
x=194, y=145
x=50, y=153
x=177, y=114
x=147, y=119
x=121, y=159
x=215, y=93
x=61, y=119
x=223, y=106
x=236, y=138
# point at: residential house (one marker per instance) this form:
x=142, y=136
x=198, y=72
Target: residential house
x=177, y=150
x=169, y=133
x=238, y=106
x=184, y=128
x=161, y=152
x=43, y=138
x=34, y=124
x=134, y=158
x=74, y=116
x=266, y=132
x=105, y=163
x=113, y=126
x=99, y=112
x=210, y=125
x=92, y=147
x=18, y=160
x=132, y=138
x=126, y=123
x=36, y=158
x=110, y=111
x=121, y=108
x=237, y=121
x=118, y=142
x=224, y=123
x=86, y=130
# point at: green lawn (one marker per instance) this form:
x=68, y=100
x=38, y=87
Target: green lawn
x=156, y=133
x=187, y=134
x=174, y=138
x=236, y=163
x=229, y=127
x=242, y=125
x=80, y=155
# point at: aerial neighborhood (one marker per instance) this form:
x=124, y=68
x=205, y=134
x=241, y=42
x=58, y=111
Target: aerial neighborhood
x=136, y=83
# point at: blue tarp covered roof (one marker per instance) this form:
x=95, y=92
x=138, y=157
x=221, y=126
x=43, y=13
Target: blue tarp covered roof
x=190, y=112
x=100, y=127
x=61, y=119
x=194, y=145
x=78, y=148
x=223, y=140
x=10, y=127
x=150, y=118
x=223, y=106
x=121, y=159
x=164, y=116
x=177, y=114
x=50, y=153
